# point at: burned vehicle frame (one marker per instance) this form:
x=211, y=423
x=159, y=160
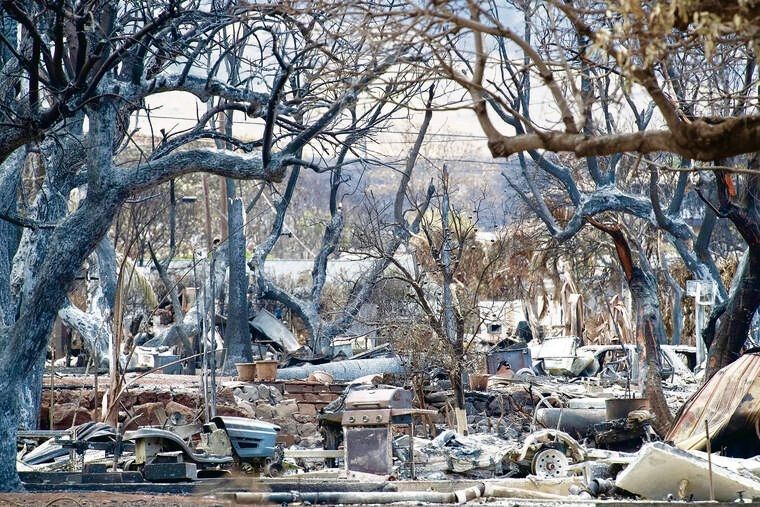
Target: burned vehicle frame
x=621, y=362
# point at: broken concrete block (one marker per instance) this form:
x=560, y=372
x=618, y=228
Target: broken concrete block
x=287, y=426
x=250, y=393
x=248, y=408
x=312, y=442
x=262, y=391
x=170, y=472
x=303, y=418
x=179, y=414
x=66, y=414
x=659, y=470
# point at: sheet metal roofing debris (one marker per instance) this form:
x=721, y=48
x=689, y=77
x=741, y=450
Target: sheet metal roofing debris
x=730, y=403
x=271, y=327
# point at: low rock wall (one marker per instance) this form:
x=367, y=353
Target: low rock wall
x=293, y=405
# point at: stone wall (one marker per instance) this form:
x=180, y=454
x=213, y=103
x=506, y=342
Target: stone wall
x=292, y=405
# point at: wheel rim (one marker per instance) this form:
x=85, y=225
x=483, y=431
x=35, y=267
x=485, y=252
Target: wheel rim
x=549, y=463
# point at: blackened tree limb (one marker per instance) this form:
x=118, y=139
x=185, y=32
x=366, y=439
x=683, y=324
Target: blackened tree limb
x=172, y=166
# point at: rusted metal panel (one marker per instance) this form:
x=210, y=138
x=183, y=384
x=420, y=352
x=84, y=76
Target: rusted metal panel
x=368, y=450
x=729, y=401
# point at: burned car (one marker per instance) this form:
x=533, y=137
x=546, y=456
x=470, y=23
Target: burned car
x=562, y=356
x=621, y=362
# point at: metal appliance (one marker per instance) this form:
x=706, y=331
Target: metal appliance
x=367, y=422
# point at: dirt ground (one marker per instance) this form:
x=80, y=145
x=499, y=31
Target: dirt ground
x=102, y=499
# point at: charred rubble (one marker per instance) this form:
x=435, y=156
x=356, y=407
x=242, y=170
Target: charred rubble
x=565, y=422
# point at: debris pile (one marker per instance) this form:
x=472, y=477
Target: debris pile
x=526, y=434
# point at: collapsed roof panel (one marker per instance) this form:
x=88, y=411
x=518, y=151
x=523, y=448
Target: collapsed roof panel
x=729, y=402
x=268, y=325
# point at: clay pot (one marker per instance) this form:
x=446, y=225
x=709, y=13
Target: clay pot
x=246, y=371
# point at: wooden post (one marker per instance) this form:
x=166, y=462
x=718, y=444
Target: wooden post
x=95, y=384
x=411, y=451
x=709, y=461
x=461, y=419
x=207, y=209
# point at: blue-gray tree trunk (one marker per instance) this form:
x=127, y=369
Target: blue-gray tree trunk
x=237, y=336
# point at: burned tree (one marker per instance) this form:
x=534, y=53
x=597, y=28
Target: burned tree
x=650, y=332
x=743, y=302
x=323, y=330
x=59, y=239
x=702, y=118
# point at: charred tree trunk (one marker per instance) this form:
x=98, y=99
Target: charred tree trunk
x=10, y=178
x=30, y=396
x=237, y=336
x=740, y=308
x=9, y=480
x=22, y=346
x=676, y=314
x=650, y=332
x=455, y=376
x=736, y=314
x=34, y=246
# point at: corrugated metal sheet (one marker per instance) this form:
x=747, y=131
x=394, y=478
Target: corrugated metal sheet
x=732, y=393
x=268, y=325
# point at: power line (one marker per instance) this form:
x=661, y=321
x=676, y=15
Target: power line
x=399, y=132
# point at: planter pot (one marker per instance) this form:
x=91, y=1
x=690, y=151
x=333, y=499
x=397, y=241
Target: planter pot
x=266, y=370
x=479, y=381
x=246, y=371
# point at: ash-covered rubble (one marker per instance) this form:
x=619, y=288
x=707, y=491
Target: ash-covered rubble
x=600, y=431
x=525, y=435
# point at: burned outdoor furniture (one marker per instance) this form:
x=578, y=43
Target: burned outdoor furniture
x=76, y=440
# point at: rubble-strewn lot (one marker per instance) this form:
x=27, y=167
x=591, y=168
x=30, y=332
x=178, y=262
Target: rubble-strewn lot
x=529, y=436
